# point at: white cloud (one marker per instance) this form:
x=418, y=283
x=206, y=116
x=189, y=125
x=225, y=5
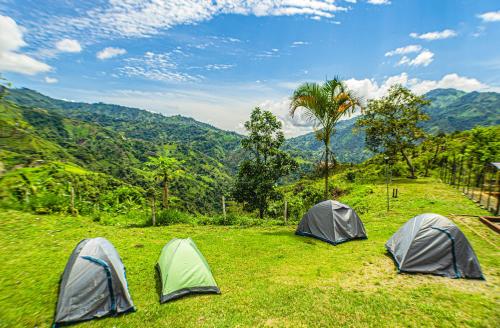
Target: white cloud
x=218, y=67
x=273, y=53
x=404, y=50
x=110, y=52
x=437, y=35
x=291, y=126
x=299, y=43
x=51, y=80
x=140, y=18
x=422, y=59
x=370, y=89
x=379, y=2
x=351, y=1
x=11, y=40
x=68, y=45
x=491, y=16
x=156, y=67
x=453, y=80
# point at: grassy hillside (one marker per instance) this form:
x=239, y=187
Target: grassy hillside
x=450, y=110
x=140, y=124
x=267, y=275
x=33, y=136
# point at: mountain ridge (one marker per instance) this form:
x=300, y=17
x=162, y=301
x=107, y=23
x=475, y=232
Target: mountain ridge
x=450, y=110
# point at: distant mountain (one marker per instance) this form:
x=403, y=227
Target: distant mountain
x=116, y=141
x=450, y=110
x=139, y=124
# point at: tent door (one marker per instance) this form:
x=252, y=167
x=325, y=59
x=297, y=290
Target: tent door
x=453, y=254
x=106, y=268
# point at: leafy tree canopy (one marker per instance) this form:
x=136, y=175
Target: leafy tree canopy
x=392, y=123
x=266, y=163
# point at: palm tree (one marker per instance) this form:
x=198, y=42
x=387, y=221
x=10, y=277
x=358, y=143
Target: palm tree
x=166, y=169
x=324, y=105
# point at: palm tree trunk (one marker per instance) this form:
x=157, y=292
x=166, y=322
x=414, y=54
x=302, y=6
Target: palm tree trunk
x=153, y=210
x=327, y=154
x=165, y=194
x=261, y=208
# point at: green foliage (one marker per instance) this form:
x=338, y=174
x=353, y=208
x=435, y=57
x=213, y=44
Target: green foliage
x=392, y=123
x=267, y=163
x=172, y=216
x=474, y=147
x=4, y=85
x=45, y=189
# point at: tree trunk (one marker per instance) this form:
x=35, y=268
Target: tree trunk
x=410, y=165
x=153, y=210
x=165, y=194
x=431, y=161
x=327, y=154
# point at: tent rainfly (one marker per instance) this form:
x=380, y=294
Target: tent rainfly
x=183, y=270
x=431, y=243
x=332, y=222
x=93, y=284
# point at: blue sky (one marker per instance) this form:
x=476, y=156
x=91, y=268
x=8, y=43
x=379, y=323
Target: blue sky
x=216, y=60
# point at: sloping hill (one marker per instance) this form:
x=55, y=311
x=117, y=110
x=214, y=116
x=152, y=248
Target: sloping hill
x=32, y=136
x=140, y=124
x=450, y=110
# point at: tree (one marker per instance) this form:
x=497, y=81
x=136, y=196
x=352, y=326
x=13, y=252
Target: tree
x=324, y=105
x=431, y=149
x=166, y=169
x=4, y=87
x=392, y=123
x=266, y=163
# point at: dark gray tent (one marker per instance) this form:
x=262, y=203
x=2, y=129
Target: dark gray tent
x=430, y=243
x=333, y=222
x=93, y=284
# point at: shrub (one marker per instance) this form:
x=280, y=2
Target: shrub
x=350, y=176
x=171, y=216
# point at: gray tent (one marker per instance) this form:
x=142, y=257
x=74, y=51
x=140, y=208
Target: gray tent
x=430, y=243
x=93, y=284
x=332, y=222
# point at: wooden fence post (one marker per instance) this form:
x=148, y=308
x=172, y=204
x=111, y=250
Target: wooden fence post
x=71, y=199
x=468, y=178
x=453, y=171
x=446, y=173
x=459, y=180
x=464, y=179
x=481, y=181
x=285, y=212
x=224, y=207
x=497, y=212
x=153, y=209
x=489, y=194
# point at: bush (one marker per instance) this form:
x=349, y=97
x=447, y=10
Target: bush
x=350, y=176
x=171, y=216
x=49, y=203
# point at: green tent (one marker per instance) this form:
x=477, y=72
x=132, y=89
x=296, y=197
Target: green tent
x=183, y=270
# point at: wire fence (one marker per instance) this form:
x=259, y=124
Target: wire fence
x=478, y=181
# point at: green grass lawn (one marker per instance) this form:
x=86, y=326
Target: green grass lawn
x=267, y=275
